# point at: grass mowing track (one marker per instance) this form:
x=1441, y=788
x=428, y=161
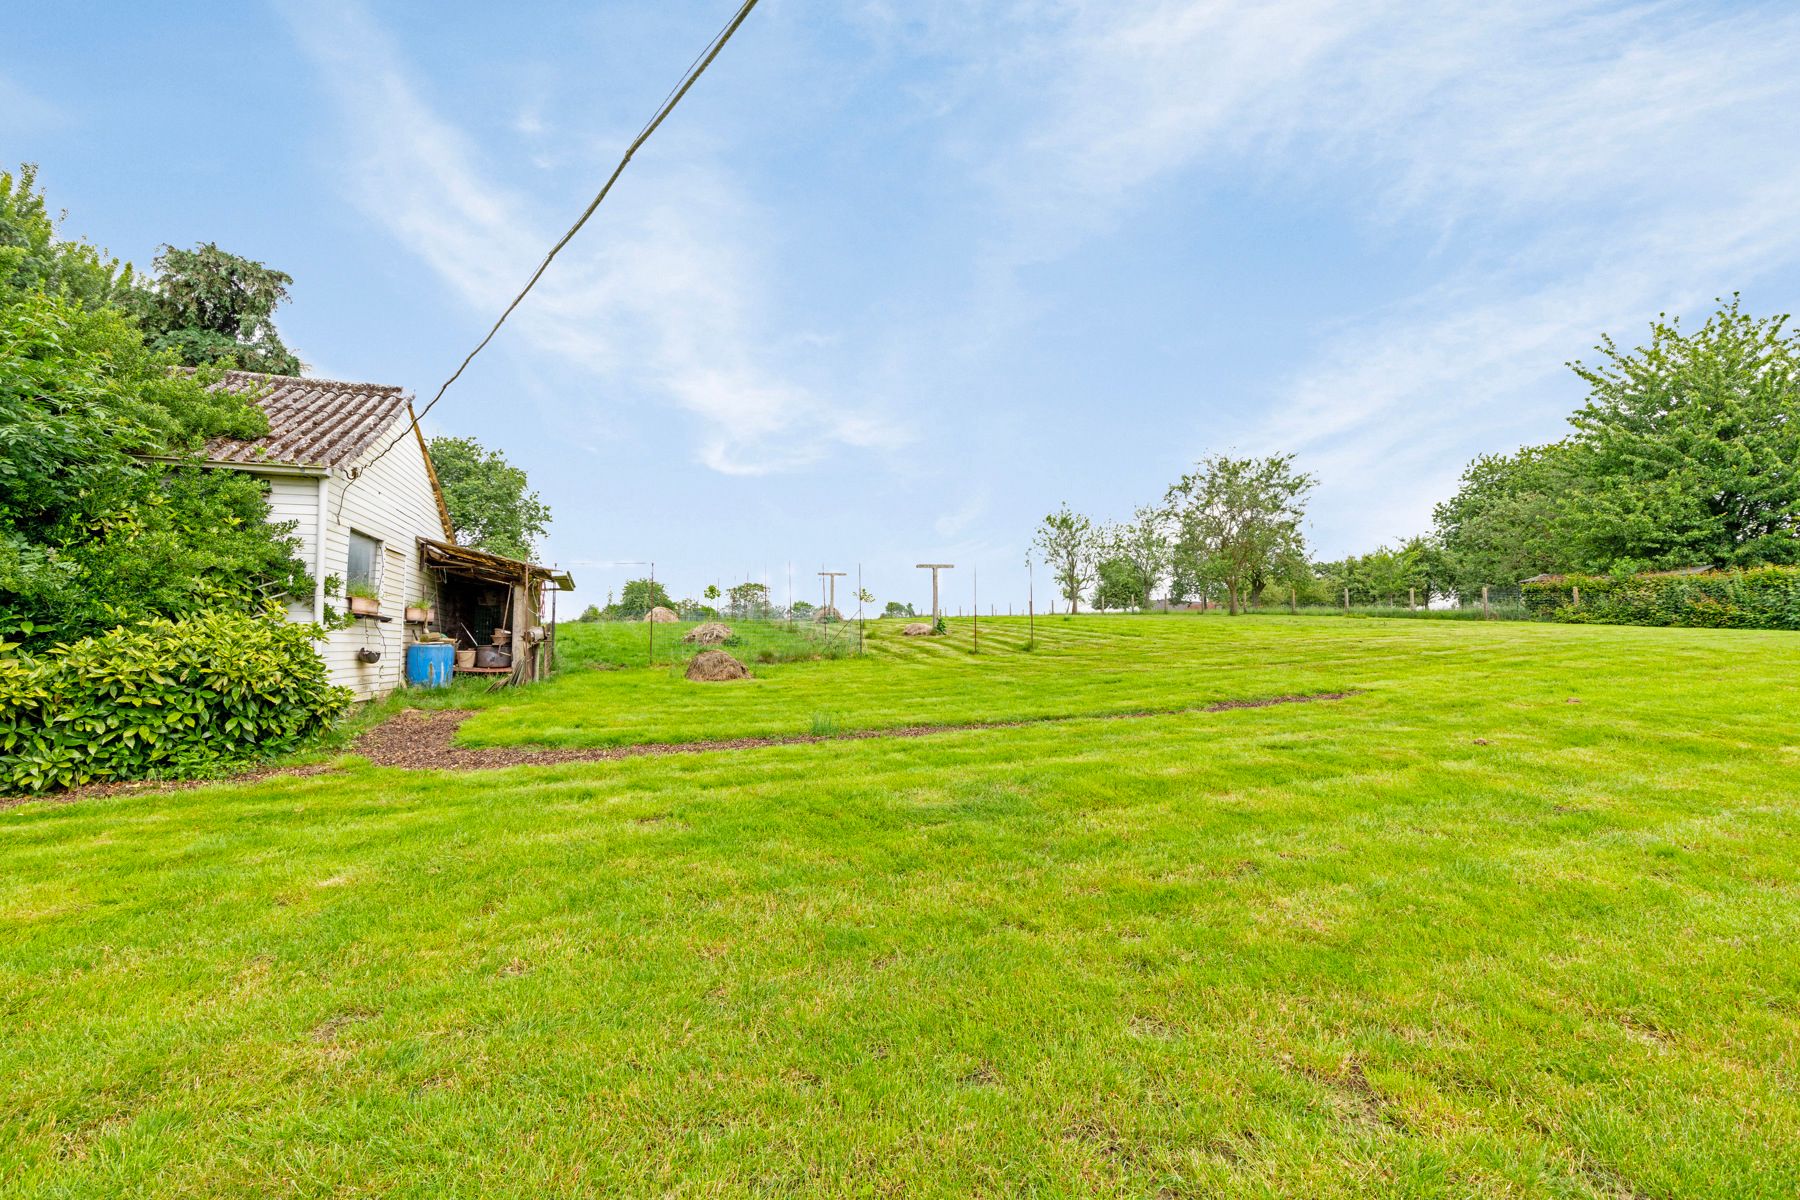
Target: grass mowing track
x=1454, y=935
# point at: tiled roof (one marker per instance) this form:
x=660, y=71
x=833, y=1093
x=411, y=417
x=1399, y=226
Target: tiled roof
x=312, y=422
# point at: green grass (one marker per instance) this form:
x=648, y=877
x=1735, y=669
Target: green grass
x=628, y=643
x=1333, y=949
x=1497, y=611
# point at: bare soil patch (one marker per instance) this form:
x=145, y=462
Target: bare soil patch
x=424, y=740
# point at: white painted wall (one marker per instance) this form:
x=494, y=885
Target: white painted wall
x=390, y=500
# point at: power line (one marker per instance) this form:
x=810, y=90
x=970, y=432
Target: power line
x=694, y=71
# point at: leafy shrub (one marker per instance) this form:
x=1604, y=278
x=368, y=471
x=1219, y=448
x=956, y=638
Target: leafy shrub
x=163, y=699
x=1759, y=598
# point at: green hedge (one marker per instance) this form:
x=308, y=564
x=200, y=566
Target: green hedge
x=160, y=700
x=1759, y=598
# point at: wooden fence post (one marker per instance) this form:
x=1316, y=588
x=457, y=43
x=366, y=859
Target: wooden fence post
x=1412, y=599
x=1577, y=597
x=1293, y=599
x=1346, y=599
x=1485, y=615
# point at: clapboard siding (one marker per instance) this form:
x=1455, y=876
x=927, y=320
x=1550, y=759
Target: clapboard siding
x=294, y=499
x=386, y=497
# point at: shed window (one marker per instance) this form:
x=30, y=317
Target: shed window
x=364, y=566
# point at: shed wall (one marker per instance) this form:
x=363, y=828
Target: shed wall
x=390, y=500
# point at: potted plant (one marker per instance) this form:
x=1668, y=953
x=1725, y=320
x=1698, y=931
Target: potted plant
x=365, y=601
x=419, y=612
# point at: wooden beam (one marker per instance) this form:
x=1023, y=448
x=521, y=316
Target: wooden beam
x=437, y=489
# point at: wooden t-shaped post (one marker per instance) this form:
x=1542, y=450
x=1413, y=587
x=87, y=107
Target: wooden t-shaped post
x=831, y=604
x=934, y=568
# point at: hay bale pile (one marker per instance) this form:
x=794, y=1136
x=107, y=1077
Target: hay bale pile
x=917, y=629
x=710, y=634
x=715, y=666
x=661, y=615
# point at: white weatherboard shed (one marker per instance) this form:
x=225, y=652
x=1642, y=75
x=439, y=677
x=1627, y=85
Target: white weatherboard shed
x=359, y=515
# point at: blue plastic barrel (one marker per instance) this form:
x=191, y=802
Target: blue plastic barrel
x=428, y=664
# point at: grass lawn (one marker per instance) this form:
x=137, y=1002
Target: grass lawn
x=1517, y=919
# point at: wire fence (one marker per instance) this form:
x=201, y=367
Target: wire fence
x=624, y=641
x=769, y=617
x=641, y=624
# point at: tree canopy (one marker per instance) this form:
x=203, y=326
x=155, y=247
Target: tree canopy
x=639, y=596
x=1688, y=449
x=1067, y=542
x=207, y=305
x=106, y=515
x=1684, y=454
x=1506, y=521
x=491, y=502
x=34, y=259
x=1239, y=521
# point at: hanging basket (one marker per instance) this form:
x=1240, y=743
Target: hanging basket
x=366, y=655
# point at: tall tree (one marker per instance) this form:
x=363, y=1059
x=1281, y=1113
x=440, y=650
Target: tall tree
x=1118, y=583
x=1509, y=519
x=1142, y=541
x=639, y=596
x=1067, y=541
x=748, y=602
x=1239, y=518
x=207, y=305
x=1385, y=575
x=491, y=502
x=1683, y=455
x=1688, y=449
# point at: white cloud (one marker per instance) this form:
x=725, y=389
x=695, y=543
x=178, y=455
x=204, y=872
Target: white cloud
x=659, y=295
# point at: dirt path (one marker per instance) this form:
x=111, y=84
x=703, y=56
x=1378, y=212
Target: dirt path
x=424, y=740
x=420, y=739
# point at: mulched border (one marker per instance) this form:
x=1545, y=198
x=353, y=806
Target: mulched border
x=424, y=740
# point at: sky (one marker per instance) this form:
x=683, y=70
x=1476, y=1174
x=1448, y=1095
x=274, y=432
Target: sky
x=900, y=277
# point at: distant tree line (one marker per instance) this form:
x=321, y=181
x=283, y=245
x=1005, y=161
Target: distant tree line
x=1686, y=453
x=742, y=602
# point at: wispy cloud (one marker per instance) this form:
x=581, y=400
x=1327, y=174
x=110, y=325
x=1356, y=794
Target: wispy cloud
x=1625, y=156
x=952, y=524
x=23, y=111
x=663, y=303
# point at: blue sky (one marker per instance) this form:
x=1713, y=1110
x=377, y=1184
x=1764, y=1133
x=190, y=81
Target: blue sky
x=899, y=278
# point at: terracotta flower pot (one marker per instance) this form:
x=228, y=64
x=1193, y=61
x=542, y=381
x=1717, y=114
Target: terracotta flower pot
x=420, y=616
x=364, y=606
x=465, y=659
